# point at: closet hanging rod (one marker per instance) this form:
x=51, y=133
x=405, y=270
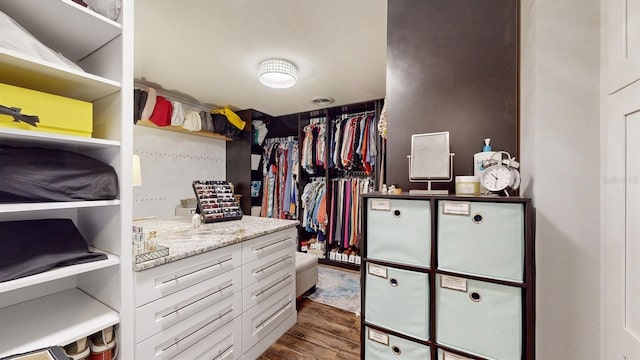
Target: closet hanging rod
x=348, y=116
x=179, y=98
x=345, y=174
x=318, y=120
x=280, y=139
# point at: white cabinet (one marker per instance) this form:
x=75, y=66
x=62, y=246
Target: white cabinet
x=269, y=287
x=623, y=41
x=180, y=304
x=167, y=279
x=228, y=303
x=174, y=342
x=196, y=300
x=63, y=305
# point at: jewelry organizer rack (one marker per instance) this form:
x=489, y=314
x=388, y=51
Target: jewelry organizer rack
x=215, y=201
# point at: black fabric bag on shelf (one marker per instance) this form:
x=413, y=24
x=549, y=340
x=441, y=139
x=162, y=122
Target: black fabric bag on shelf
x=221, y=125
x=30, y=247
x=39, y=174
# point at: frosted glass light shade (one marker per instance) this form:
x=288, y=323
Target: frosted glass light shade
x=277, y=73
x=136, y=179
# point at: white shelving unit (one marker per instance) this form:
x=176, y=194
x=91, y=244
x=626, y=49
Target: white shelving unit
x=55, y=141
x=60, y=273
x=56, y=319
x=27, y=207
x=62, y=305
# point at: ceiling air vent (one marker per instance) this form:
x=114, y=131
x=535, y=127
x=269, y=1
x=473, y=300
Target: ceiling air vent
x=322, y=100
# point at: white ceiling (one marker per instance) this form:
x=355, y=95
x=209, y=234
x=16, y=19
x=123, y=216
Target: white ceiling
x=210, y=50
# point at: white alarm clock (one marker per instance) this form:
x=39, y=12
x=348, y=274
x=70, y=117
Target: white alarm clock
x=500, y=175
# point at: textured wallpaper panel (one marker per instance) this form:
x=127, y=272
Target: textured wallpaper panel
x=170, y=162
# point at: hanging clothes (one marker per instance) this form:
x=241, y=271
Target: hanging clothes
x=352, y=145
x=280, y=178
x=314, y=208
x=313, y=159
x=344, y=216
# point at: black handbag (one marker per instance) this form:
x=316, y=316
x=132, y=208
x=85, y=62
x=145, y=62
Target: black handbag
x=40, y=174
x=33, y=246
x=221, y=125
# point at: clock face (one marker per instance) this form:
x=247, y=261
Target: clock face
x=497, y=178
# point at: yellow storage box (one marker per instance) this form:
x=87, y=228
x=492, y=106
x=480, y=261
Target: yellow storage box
x=55, y=114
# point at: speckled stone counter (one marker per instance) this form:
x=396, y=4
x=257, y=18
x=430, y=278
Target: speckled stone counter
x=179, y=235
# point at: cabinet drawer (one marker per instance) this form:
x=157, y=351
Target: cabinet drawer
x=479, y=318
x=260, y=320
x=166, y=279
x=223, y=344
x=488, y=242
x=259, y=270
x=258, y=292
x=382, y=346
x=398, y=300
x=173, y=342
x=258, y=248
x=399, y=231
x=160, y=314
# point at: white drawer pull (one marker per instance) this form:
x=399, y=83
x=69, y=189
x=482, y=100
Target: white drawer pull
x=186, y=310
x=282, y=309
x=277, y=242
x=262, y=291
x=223, y=352
x=203, y=272
x=282, y=261
x=192, y=335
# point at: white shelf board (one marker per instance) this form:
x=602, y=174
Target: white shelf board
x=60, y=273
x=17, y=137
x=84, y=30
x=24, y=71
x=18, y=207
x=56, y=319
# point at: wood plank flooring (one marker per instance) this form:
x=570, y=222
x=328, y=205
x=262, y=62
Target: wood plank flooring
x=322, y=333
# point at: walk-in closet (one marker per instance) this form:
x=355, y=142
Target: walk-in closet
x=284, y=179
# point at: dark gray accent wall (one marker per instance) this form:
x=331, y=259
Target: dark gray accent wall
x=452, y=65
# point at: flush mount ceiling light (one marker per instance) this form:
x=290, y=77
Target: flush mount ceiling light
x=277, y=73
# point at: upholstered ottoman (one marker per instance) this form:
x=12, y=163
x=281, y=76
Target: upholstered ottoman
x=306, y=273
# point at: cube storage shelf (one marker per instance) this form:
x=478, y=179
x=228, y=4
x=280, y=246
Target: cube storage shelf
x=457, y=273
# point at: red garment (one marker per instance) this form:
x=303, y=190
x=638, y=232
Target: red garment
x=161, y=115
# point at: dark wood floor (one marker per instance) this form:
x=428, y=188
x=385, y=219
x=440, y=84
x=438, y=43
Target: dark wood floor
x=322, y=332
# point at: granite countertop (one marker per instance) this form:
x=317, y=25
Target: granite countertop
x=178, y=234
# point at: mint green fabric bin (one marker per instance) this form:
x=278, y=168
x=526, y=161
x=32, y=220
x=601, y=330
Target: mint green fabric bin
x=445, y=355
x=382, y=346
x=399, y=301
x=488, y=242
x=484, y=320
x=399, y=231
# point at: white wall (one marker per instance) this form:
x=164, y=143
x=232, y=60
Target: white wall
x=170, y=162
x=560, y=80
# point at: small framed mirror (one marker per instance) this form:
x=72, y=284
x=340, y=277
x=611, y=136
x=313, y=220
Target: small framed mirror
x=430, y=160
